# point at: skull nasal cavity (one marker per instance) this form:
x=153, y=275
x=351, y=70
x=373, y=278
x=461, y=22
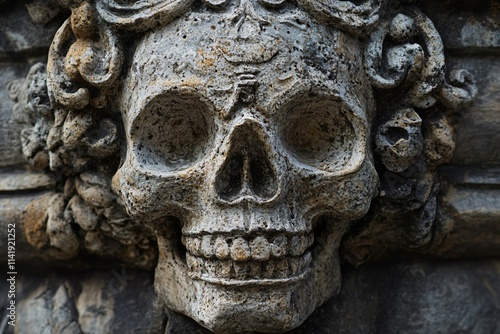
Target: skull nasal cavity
x=247, y=169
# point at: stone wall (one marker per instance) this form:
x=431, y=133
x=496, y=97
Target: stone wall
x=424, y=257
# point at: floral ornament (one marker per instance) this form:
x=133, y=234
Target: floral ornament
x=78, y=138
x=414, y=135
x=80, y=148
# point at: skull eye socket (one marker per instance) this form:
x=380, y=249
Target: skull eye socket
x=318, y=133
x=172, y=132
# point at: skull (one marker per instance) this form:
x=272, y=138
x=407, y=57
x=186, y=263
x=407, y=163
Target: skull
x=248, y=153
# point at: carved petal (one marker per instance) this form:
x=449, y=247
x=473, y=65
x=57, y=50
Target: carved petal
x=59, y=84
x=399, y=140
x=393, y=59
x=347, y=14
x=141, y=15
x=462, y=89
x=433, y=72
x=102, y=62
x=82, y=51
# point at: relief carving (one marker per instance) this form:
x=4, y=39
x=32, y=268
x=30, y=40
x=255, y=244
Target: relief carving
x=234, y=144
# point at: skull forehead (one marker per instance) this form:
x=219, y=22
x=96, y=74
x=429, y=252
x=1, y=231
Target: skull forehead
x=286, y=56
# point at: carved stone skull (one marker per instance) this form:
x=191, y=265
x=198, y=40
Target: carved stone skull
x=248, y=152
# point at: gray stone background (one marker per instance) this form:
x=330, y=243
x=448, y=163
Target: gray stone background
x=454, y=290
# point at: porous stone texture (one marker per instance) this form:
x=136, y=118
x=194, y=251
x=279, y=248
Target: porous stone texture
x=244, y=142
x=119, y=300
x=402, y=297
x=249, y=156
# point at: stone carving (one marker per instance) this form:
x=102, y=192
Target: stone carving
x=247, y=137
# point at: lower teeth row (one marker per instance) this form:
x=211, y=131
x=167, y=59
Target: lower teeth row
x=259, y=248
x=228, y=269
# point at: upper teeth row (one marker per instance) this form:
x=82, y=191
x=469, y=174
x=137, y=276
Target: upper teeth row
x=259, y=248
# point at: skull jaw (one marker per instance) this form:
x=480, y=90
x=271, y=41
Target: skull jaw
x=260, y=308
x=268, y=306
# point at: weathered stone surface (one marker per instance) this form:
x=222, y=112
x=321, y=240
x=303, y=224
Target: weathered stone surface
x=12, y=180
x=413, y=297
x=115, y=301
x=467, y=27
x=246, y=150
x=409, y=296
x=10, y=141
x=19, y=35
x=478, y=138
